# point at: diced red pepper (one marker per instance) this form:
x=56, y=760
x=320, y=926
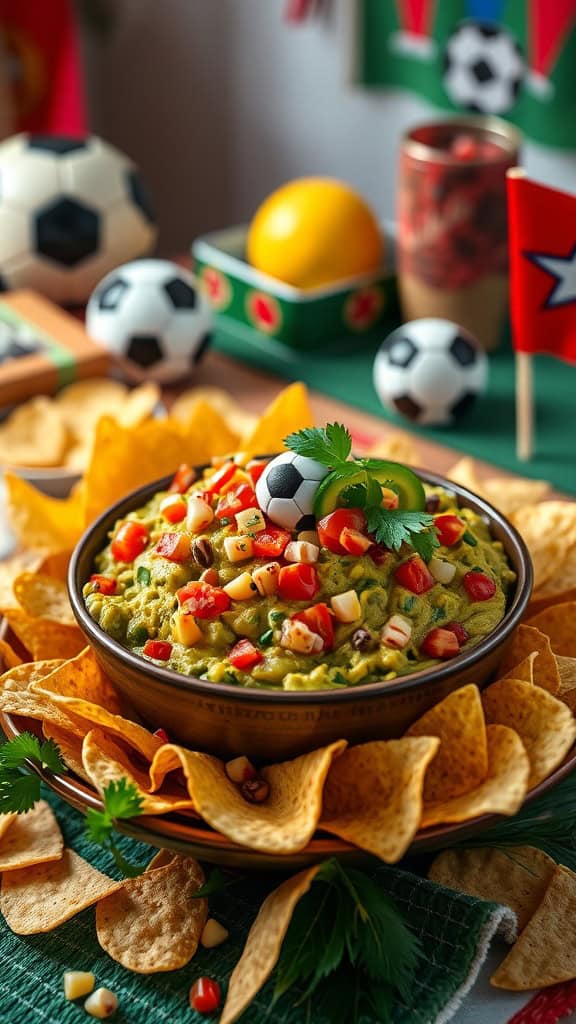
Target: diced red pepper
x=183, y=478
x=378, y=554
x=298, y=582
x=173, y=508
x=173, y=546
x=205, y=995
x=449, y=529
x=222, y=476
x=129, y=541
x=160, y=650
x=354, y=542
x=319, y=619
x=414, y=575
x=440, y=643
x=106, y=585
x=255, y=470
x=161, y=734
x=270, y=543
x=459, y=631
x=478, y=586
x=245, y=656
x=203, y=600
x=235, y=501
x=331, y=526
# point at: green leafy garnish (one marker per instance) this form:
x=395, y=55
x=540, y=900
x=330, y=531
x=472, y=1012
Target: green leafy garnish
x=19, y=783
x=121, y=801
x=266, y=638
x=330, y=446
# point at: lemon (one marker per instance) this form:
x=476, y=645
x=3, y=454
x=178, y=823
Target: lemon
x=314, y=231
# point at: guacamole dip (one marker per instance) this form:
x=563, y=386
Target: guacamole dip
x=221, y=579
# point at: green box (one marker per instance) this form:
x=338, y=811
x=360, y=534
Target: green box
x=314, y=318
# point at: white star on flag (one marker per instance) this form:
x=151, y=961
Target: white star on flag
x=563, y=270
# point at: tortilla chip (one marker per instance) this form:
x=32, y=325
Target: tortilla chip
x=33, y=435
x=373, y=794
x=264, y=942
x=545, y=725
x=397, y=447
x=10, y=569
x=508, y=494
x=43, y=638
x=559, y=624
x=290, y=411
x=283, y=824
x=44, y=597
x=40, y=522
x=567, y=691
x=154, y=923
x=22, y=676
x=542, y=599
x=461, y=763
x=138, y=405
x=525, y=640
x=106, y=761
x=209, y=432
x=81, y=677
x=85, y=711
x=502, y=792
x=34, y=838
x=549, y=530
x=69, y=745
x=8, y=656
x=523, y=670
x=237, y=419
x=39, y=899
x=42, y=709
x=6, y=822
x=545, y=953
x=81, y=404
x=517, y=876
x=55, y=564
x=161, y=859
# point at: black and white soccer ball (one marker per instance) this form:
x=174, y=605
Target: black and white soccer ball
x=287, y=488
x=70, y=211
x=430, y=371
x=151, y=314
x=484, y=67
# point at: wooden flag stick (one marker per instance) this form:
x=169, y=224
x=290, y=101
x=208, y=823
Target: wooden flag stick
x=524, y=406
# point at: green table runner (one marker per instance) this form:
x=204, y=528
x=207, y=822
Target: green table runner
x=455, y=930
x=345, y=372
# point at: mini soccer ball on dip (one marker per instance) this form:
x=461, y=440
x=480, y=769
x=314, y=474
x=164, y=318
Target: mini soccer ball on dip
x=153, y=317
x=430, y=371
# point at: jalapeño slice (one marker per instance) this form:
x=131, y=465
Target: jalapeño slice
x=399, y=478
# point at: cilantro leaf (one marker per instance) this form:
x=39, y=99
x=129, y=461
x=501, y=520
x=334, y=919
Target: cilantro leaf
x=394, y=527
x=330, y=445
x=354, y=496
x=19, y=795
x=98, y=827
x=121, y=801
x=19, y=783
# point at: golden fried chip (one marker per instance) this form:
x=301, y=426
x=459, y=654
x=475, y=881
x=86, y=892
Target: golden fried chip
x=40, y=522
x=397, y=447
x=85, y=711
x=567, y=691
x=545, y=953
x=461, y=763
x=81, y=677
x=290, y=411
x=43, y=638
x=523, y=670
x=549, y=530
x=154, y=923
x=34, y=838
x=42, y=709
x=544, y=598
x=208, y=432
x=525, y=641
x=558, y=622
x=39, y=899
x=83, y=403
x=544, y=724
x=517, y=876
x=502, y=792
x=138, y=405
x=283, y=824
x=373, y=794
x=239, y=421
x=8, y=656
x=69, y=745
x=264, y=942
x=44, y=597
x=105, y=761
x=10, y=569
x=22, y=676
x=54, y=564
x=6, y=822
x=33, y=435
x=161, y=859
x=508, y=494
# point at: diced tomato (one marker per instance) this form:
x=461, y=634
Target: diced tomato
x=319, y=619
x=222, y=476
x=270, y=543
x=244, y=655
x=354, y=542
x=104, y=584
x=160, y=650
x=183, y=478
x=298, y=582
x=414, y=575
x=459, y=631
x=255, y=470
x=205, y=995
x=161, y=734
x=449, y=529
x=440, y=643
x=173, y=508
x=378, y=554
x=129, y=541
x=331, y=526
x=479, y=587
x=240, y=498
x=203, y=600
x=173, y=546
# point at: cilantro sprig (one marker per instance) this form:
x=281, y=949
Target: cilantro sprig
x=19, y=782
x=121, y=801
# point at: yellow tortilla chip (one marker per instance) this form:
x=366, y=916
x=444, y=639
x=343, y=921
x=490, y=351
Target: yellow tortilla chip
x=209, y=432
x=153, y=922
x=542, y=599
x=54, y=564
x=43, y=638
x=138, y=405
x=398, y=448
x=8, y=656
x=517, y=876
x=40, y=522
x=525, y=641
x=10, y=569
x=523, y=670
x=42, y=709
x=373, y=794
x=83, y=403
x=81, y=677
x=69, y=745
x=105, y=761
x=238, y=420
x=44, y=597
x=39, y=899
x=290, y=411
x=161, y=859
x=567, y=691
x=558, y=622
x=549, y=530
x=461, y=763
x=545, y=725
x=503, y=790
x=545, y=953
x=264, y=942
x=22, y=676
x=506, y=493
x=34, y=838
x=33, y=435
x=85, y=711
x=283, y=824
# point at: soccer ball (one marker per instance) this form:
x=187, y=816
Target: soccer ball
x=287, y=488
x=151, y=315
x=430, y=371
x=483, y=67
x=70, y=211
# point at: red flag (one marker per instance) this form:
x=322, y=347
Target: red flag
x=542, y=242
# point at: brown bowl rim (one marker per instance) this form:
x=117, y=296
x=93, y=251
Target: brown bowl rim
x=516, y=551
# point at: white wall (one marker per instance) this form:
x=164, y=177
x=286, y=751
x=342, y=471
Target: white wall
x=220, y=101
